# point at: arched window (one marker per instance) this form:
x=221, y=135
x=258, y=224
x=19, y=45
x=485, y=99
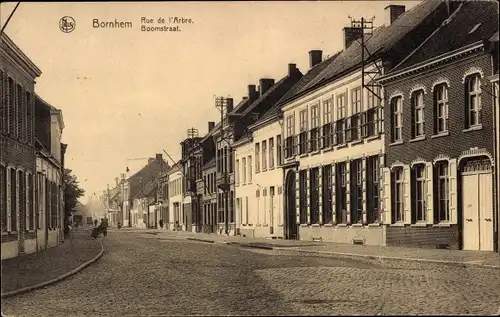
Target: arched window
x=441, y=108
x=473, y=100
x=417, y=113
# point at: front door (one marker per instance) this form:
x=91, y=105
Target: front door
x=291, y=231
x=477, y=198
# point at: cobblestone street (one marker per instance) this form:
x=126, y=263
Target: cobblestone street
x=147, y=274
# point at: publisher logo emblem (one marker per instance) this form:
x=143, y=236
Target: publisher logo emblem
x=67, y=24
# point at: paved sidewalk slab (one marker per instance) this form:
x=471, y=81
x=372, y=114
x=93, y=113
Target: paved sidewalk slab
x=32, y=269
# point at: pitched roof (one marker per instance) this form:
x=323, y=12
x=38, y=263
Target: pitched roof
x=148, y=173
x=494, y=38
x=383, y=40
x=175, y=168
x=210, y=163
x=242, y=105
x=297, y=88
x=472, y=22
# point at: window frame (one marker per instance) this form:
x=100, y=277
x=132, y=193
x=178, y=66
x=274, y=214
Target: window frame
x=441, y=103
x=397, y=113
x=418, y=106
x=471, y=95
x=418, y=183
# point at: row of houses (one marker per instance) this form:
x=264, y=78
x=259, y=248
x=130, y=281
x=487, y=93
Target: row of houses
x=31, y=159
x=391, y=141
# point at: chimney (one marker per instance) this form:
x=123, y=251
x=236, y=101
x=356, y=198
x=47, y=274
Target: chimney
x=211, y=125
x=150, y=160
x=229, y=105
x=265, y=84
x=159, y=157
x=292, y=68
x=351, y=35
x=315, y=57
x=392, y=12
x=252, y=93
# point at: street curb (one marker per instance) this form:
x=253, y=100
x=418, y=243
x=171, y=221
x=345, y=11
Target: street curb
x=55, y=280
x=383, y=257
x=201, y=240
x=255, y=246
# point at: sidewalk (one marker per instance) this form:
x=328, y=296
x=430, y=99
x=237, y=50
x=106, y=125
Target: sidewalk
x=32, y=269
x=476, y=258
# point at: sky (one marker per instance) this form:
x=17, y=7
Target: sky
x=127, y=94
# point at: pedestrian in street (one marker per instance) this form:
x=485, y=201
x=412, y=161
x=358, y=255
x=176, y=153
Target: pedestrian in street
x=104, y=227
x=95, y=223
x=161, y=223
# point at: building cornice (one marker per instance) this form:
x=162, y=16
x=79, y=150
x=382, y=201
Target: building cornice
x=10, y=50
x=271, y=119
x=433, y=62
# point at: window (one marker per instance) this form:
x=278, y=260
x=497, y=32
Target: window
x=271, y=152
x=303, y=196
x=303, y=132
x=374, y=102
x=398, y=194
x=264, y=155
x=11, y=97
x=341, y=119
x=473, y=99
x=417, y=122
x=279, y=149
x=257, y=157
x=372, y=189
x=3, y=196
x=356, y=191
x=289, y=126
x=327, y=194
x=441, y=108
x=357, y=108
x=13, y=199
x=314, y=195
x=29, y=114
x=341, y=193
x=237, y=176
x=418, y=193
x=230, y=159
x=249, y=160
x=441, y=203
x=244, y=167
x=314, y=128
x=397, y=119
x=327, y=123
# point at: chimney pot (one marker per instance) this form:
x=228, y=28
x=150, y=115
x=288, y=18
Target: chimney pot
x=350, y=35
x=315, y=57
x=252, y=93
x=265, y=84
x=229, y=105
x=292, y=68
x=392, y=12
x=159, y=157
x=211, y=125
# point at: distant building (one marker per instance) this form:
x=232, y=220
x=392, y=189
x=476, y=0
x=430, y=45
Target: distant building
x=175, y=198
x=17, y=147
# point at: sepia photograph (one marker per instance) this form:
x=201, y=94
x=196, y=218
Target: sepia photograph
x=250, y=158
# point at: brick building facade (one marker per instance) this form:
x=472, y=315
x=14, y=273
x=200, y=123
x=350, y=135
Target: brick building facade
x=438, y=177
x=17, y=148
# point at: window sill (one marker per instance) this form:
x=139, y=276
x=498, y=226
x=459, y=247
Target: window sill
x=315, y=225
x=419, y=224
x=356, y=142
x=315, y=152
x=357, y=225
x=328, y=149
x=279, y=226
x=265, y=225
x=328, y=225
x=257, y=171
x=373, y=137
x=396, y=143
x=440, y=134
x=303, y=225
x=271, y=168
x=303, y=155
x=473, y=128
x=397, y=224
x=342, y=146
x=443, y=224
x=263, y=170
x=342, y=225
x=374, y=225
x=420, y=138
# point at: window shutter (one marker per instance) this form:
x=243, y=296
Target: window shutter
x=406, y=194
x=363, y=188
x=320, y=194
x=9, y=200
x=387, y=202
x=308, y=195
x=453, y=190
x=17, y=201
x=348, y=190
x=429, y=192
x=334, y=215
x=297, y=197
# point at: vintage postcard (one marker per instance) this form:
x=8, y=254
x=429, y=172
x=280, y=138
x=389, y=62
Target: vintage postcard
x=187, y=158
